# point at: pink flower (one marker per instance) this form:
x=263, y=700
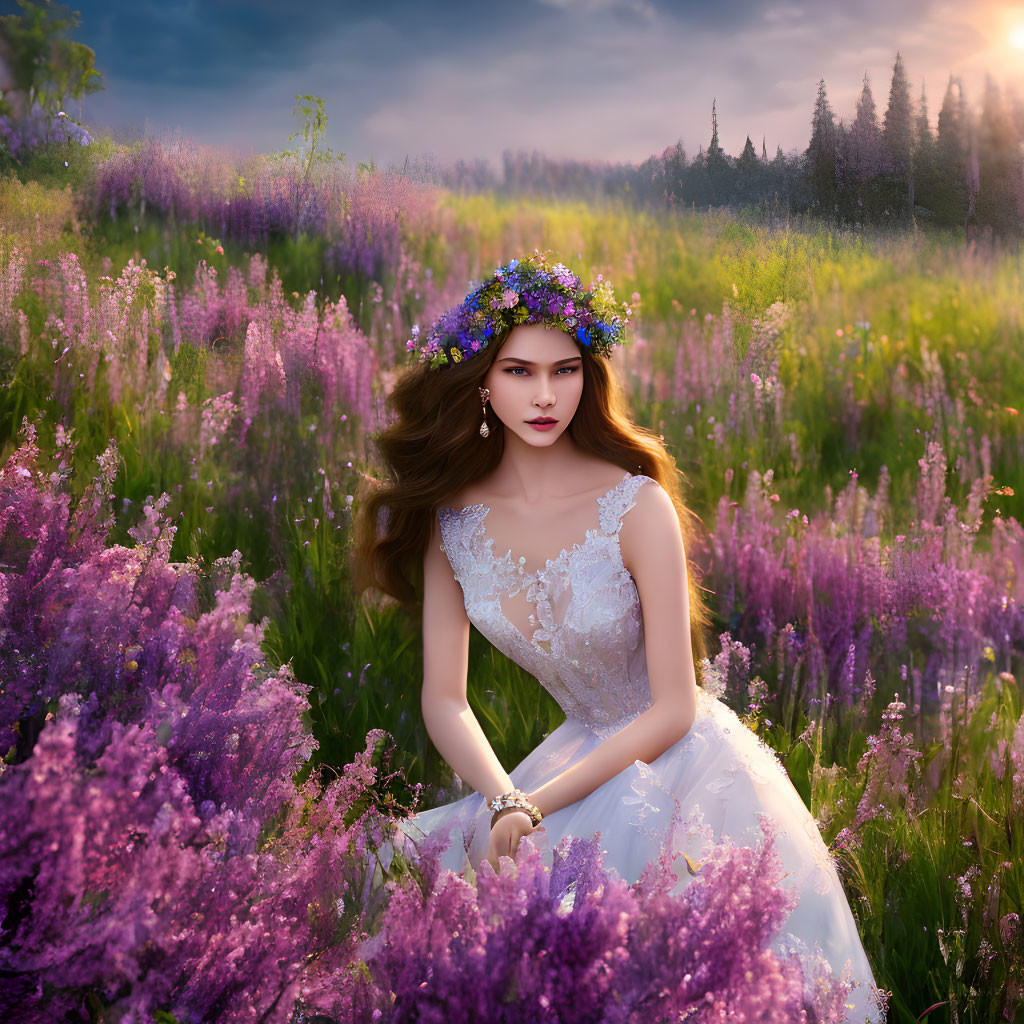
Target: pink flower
x=509, y=298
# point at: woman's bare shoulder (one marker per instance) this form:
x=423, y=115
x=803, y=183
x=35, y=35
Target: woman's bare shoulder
x=475, y=493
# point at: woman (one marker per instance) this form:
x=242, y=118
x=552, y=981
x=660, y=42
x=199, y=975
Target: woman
x=543, y=516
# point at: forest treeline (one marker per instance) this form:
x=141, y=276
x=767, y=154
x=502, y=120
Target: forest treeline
x=891, y=168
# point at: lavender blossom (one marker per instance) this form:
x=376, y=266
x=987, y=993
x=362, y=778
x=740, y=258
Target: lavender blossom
x=508, y=949
x=155, y=853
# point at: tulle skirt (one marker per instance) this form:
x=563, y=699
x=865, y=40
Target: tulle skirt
x=716, y=781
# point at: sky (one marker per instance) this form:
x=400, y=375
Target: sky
x=614, y=80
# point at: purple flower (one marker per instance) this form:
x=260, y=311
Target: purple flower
x=153, y=748
x=575, y=943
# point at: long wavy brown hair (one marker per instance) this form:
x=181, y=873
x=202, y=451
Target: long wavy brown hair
x=433, y=449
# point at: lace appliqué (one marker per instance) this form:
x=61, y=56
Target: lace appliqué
x=585, y=627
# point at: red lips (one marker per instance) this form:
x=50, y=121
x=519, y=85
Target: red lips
x=542, y=419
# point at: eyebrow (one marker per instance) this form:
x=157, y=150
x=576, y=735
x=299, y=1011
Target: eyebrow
x=526, y=362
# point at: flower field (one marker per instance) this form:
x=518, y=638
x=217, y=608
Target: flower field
x=205, y=737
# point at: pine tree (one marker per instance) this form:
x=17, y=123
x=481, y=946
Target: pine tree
x=820, y=156
x=860, y=160
x=846, y=185
x=717, y=164
x=922, y=128
x=924, y=160
x=898, y=138
x=950, y=194
x=698, y=191
x=998, y=163
x=865, y=136
x=785, y=186
x=748, y=175
x=972, y=178
x=748, y=158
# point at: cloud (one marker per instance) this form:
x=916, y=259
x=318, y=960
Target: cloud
x=604, y=79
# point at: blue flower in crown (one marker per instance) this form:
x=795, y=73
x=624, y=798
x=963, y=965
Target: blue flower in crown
x=523, y=291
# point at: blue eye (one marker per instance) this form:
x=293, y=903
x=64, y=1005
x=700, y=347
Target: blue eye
x=565, y=369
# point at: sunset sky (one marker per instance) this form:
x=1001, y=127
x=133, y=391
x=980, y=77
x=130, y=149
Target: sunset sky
x=613, y=79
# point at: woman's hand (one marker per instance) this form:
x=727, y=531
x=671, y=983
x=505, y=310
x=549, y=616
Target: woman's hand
x=511, y=826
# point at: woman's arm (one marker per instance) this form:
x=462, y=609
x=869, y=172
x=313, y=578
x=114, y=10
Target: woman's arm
x=652, y=551
x=450, y=722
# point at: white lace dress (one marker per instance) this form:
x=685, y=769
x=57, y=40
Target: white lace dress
x=586, y=647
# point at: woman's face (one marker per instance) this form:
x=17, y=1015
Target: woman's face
x=538, y=375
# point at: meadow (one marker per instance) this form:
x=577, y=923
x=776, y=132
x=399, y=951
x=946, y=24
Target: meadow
x=206, y=734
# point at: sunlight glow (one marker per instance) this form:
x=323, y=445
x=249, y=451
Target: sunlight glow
x=1017, y=38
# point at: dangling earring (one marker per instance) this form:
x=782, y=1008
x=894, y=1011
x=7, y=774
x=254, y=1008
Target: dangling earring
x=485, y=393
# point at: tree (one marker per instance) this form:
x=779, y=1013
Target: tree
x=949, y=199
x=865, y=136
x=46, y=66
x=748, y=158
x=820, y=156
x=898, y=141
x=674, y=172
x=312, y=117
x=998, y=164
x=972, y=175
x=846, y=201
x=313, y=153
x=860, y=160
x=748, y=175
x=925, y=167
x=717, y=164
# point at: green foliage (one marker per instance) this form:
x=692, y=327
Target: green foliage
x=312, y=117
x=931, y=876
x=46, y=66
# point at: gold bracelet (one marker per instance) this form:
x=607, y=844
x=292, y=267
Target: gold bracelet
x=515, y=798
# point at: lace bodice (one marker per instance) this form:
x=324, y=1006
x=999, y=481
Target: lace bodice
x=585, y=633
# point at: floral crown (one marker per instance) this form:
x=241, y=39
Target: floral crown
x=526, y=291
